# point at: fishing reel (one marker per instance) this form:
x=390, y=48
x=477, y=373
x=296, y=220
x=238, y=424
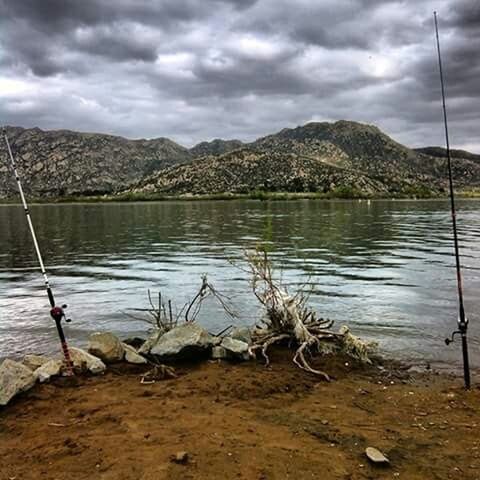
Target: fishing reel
x=462, y=330
x=58, y=314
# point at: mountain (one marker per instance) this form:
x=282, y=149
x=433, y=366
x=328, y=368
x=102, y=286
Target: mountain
x=246, y=170
x=215, y=147
x=341, y=156
x=442, y=153
x=65, y=163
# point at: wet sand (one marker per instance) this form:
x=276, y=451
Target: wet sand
x=244, y=421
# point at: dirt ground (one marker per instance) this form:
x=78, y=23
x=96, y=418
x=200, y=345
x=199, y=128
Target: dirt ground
x=244, y=421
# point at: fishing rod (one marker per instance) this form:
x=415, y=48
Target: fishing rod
x=462, y=319
x=56, y=312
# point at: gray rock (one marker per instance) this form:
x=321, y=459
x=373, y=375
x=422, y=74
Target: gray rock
x=49, y=369
x=236, y=349
x=149, y=343
x=131, y=355
x=106, y=346
x=185, y=341
x=35, y=361
x=14, y=379
x=242, y=333
x=83, y=359
x=376, y=456
x=419, y=369
x=219, y=353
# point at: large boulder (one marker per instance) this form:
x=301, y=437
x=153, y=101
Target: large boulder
x=14, y=378
x=235, y=349
x=149, y=343
x=219, y=353
x=34, y=361
x=84, y=360
x=186, y=341
x=242, y=333
x=52, y=368
x=132, y=356
x=106, y=346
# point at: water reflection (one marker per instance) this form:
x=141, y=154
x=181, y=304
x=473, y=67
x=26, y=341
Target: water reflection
x=384, y=267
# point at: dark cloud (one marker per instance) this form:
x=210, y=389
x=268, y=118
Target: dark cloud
x=196, y=70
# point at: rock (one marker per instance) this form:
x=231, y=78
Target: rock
x=47, y=370
x=149, y=343
x=419, y=369
x=376, y=456
x=180, y=457
x=219, y=353
x=242, y=333
x=83, y=359
x=131, y=355
x=14, y=378
x=35, y=361
x=185, y=341
x=106, y=346
x=236, y=349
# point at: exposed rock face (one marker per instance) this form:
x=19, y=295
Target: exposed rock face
x=106, y=346
x=14, y=379
x=63, y=163
x=131, y=355
x=48, y=370
x=34, y=361
x=84, y=360
x=185, y=341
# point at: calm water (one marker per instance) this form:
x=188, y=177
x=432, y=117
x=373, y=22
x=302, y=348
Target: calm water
x=385, y=268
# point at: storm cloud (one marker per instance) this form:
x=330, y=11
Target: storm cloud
x=194, y=71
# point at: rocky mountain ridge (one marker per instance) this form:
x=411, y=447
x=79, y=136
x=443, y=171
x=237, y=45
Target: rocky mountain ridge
x=65, y=163
x=321, y=157
x=344, y=157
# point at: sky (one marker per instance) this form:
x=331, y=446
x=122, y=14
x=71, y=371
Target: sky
x=194, y=70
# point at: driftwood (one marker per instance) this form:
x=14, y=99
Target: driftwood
x=287, y=318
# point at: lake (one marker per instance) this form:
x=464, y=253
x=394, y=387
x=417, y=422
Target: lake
x=385, y=268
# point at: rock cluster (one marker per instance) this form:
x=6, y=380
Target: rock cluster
x=188, y=341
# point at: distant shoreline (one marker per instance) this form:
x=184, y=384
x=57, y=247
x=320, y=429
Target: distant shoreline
x=256, y=195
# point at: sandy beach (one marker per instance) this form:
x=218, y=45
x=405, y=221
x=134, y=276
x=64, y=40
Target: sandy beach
x=244, y=421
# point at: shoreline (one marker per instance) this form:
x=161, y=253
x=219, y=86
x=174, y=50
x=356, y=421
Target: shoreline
x=246, y=421
x=259, y=196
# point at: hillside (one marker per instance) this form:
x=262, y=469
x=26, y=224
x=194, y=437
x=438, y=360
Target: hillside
x=215, y=147
x=322, y=157
x=247, y=170
x=441, y=152
x=346, y=158
x=65, y=163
